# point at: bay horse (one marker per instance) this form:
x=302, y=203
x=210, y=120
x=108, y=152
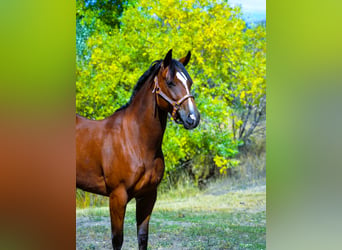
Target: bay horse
x=121, y=156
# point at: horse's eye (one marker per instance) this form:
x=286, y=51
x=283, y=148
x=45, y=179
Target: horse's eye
x=170, y=83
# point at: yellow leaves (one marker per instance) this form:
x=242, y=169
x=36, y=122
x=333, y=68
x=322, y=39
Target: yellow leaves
x=223, y=164
x=113, y=69
x=243, y=98
x=242, y=95
x=200, y=60
x=220, y=161
x=125, y=59
x=239, y=123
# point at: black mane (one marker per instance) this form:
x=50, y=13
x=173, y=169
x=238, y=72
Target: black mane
x=151, y=72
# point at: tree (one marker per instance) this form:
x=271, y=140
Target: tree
x=227, y=67
x=106, y=12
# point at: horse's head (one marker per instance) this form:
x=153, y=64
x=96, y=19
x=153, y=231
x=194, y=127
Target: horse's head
x=172, y=88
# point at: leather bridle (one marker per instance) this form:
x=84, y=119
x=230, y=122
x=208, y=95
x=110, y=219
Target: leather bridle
x=175, y=104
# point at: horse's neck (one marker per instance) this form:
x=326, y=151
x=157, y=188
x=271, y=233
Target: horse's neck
x=151, y=120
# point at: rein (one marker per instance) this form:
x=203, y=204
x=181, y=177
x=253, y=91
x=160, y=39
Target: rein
x=175, y=104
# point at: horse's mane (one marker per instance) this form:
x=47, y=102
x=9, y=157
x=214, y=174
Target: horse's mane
x=151, y=72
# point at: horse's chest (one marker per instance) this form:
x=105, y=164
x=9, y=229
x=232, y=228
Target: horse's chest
x=149, y=177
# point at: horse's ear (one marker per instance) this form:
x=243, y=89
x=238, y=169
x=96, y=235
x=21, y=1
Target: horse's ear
x=186, y=59
x=167, y=59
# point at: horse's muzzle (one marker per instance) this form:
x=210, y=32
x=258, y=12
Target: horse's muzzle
x=190, y=120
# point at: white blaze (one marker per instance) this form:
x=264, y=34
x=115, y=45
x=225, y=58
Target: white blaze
x=183, y=79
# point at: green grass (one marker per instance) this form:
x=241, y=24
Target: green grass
x=229, y=214
x=221, y=217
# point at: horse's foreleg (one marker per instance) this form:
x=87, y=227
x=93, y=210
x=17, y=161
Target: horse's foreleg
x=144, y=207
x=117, y=204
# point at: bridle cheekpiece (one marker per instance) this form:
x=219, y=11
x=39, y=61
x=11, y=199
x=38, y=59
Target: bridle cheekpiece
x=175, y=104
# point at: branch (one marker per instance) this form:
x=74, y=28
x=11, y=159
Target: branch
x=254, y=124
x=242, y=117
x=245, y=121
x=234, y=131
x=257, y=115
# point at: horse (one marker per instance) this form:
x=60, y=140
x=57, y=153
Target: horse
x=121, y=156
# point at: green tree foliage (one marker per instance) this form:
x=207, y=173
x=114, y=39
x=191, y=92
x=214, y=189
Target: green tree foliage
x=228, y=67
x=106, y=12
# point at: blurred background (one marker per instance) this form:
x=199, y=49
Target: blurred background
x=37, y=108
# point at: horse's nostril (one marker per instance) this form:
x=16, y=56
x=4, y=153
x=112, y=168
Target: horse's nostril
x=191, y=119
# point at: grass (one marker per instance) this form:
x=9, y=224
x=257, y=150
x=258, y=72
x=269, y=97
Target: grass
x=229, y=214
x=220, y=217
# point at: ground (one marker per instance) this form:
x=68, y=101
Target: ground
x=221, y=217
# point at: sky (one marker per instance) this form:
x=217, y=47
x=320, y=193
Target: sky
x=253, y=10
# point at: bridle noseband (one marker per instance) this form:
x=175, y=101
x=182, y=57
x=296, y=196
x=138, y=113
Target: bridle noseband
x=175, y=104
